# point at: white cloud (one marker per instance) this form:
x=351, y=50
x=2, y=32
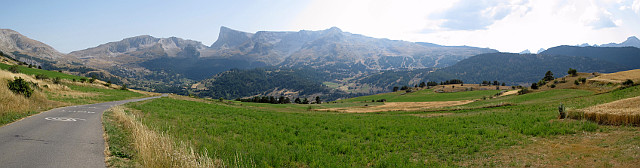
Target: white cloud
x=636, y=6
x=476, y=14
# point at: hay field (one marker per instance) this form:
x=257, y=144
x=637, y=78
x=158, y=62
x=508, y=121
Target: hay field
x=621, y=112
x=618, y=77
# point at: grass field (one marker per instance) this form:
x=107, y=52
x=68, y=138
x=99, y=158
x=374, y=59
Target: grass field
x=35, y=71
x=266, y=135
x=424, y=96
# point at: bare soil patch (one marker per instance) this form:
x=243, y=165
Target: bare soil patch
x=398, y=106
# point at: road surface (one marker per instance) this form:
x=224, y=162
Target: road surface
x=62, y=137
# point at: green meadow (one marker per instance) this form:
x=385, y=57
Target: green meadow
x=265, y=135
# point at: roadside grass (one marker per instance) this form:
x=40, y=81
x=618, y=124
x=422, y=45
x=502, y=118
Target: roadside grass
x=264, y=136
x=424, y=96
x=48, y=95
x=93, y=95
x=131, y=144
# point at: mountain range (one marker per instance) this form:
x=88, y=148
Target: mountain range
x=305, y=60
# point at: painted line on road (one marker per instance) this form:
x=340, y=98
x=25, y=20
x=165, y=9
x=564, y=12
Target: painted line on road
x=63, y=119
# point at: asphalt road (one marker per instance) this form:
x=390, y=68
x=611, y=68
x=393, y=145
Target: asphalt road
x=62, y=137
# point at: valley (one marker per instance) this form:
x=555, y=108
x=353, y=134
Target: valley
x=330, y=98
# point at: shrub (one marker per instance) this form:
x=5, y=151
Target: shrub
x=56, y=80
x=553, y=85
x=523, y=91
x=628, y=82
x=534, y=86
x=82, y=80
x=91, y=80
x=14, y=69
x=42, y=76
x=124, y=87
x=20, y=86
x=576, y=82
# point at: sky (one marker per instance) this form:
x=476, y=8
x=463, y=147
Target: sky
x=508, y=26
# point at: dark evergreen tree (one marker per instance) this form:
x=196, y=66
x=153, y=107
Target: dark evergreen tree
x=548, y=76
x=318, y=101
x=422, y=84
x=297, y=100
x=572, y=72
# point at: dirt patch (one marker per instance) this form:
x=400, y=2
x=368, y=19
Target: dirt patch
x=398, y=106
x=620, y=148
x=510, y=92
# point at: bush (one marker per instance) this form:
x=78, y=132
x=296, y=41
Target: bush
x=91, y=80
x=82, y=80
x=628, y=82
x=534, y=86
x=42, y=76
x=56, y=80
x=124, y=87
x=553, y=85
x=523, y=91
x=14, y=69
x=20, y=86
x=576, y=82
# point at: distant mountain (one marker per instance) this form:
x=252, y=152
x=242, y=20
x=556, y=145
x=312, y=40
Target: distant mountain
x=334, y=49
x=510, y=68
x=526, y=51
x=632, y=41
x=628, y=56
x=21, y=47
x=540, y=50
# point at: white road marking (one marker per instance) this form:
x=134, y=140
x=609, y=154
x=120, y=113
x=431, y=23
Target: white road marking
x=63, y=119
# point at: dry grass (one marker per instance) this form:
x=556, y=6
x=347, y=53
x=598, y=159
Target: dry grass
x=621, y=112
x=617, y=148
x=11, y=102
x=159, y=150
x=398, y=106
x=466, y=87
x=618, y=77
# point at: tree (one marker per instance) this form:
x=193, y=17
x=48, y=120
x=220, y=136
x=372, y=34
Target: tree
x=503, y=84
x=124, y=87
x=287, y=100
x=318, y=100
x=534, y=86
x=281, y=100
x=39, y=67
x=405, y=87
x=576, y=82
x=548, y=76
x=297, y=100
x=432, y=83
x=305, y=101
x=572, y=72
x=395, y=89
x=495, y=83
x=422, y=84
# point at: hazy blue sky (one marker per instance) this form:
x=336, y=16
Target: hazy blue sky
x=510, y=26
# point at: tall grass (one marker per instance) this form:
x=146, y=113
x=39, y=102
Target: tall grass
x=15, y=106
x=157, y=149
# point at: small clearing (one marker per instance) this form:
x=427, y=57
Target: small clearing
x=510, y=92
x=398, y=106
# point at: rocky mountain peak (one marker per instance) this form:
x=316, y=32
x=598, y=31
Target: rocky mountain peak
x=228, y=38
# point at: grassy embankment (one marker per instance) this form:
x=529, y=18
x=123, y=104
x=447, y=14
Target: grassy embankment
x=49, y=94
x=290, y=136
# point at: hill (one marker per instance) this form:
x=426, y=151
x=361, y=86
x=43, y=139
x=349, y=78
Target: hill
x=510, y=68
x=632, y=41
x=628, y=56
